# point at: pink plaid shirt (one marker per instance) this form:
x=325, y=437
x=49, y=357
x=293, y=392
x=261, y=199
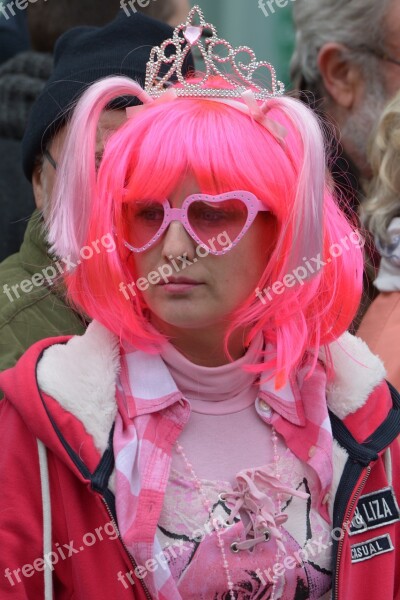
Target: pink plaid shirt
x=152, y=413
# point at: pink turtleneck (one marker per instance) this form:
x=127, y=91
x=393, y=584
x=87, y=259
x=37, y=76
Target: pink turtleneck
x=224, y=434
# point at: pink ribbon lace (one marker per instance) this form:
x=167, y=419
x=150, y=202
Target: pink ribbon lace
x=252, y=499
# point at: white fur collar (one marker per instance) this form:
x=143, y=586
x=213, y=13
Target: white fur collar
x=87, y=367
x=357, y=373
x=81, y=376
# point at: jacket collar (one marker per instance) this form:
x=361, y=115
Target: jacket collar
x=34, y=251
x=88, y=367
x=35, y=255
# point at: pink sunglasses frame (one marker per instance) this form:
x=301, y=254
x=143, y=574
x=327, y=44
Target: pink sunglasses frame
x=253, y=204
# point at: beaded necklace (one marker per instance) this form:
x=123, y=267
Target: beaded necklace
x=236, y=546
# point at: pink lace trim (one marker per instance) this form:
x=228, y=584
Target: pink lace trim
x=251, y=497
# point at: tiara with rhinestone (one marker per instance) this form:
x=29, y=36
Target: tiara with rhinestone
x=189, y=35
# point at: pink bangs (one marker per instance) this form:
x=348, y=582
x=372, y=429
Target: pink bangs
x=164, y=144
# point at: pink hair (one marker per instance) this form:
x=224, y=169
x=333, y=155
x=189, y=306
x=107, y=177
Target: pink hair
x=224, y=150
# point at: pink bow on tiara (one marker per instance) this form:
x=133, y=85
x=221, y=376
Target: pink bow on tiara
x=258, y=113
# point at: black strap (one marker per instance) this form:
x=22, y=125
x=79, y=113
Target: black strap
x=100, y=478
x=105, y=467
x=360, y=455
x=102, y=474
x=382, y=437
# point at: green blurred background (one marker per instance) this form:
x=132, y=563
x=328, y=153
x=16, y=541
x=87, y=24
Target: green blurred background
x=242, y=22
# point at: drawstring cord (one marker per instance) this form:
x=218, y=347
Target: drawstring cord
x=258, y=506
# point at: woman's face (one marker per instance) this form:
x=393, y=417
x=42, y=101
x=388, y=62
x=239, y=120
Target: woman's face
x=204, y=292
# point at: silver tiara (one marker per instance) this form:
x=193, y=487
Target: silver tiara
x=215, y=52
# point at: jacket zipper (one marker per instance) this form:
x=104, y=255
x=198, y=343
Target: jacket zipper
x=347, y=516
x=134, y=563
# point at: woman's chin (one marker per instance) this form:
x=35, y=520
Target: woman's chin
x=182, y=319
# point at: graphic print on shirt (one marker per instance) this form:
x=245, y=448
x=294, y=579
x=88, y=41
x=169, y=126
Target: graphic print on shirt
x=197, y=567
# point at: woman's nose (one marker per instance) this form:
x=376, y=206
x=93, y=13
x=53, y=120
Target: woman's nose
x=177, y=242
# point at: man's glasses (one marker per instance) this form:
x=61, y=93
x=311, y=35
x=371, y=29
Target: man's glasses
x=51, y=160
x=53, y=163
x=203, y=216
x=382, y=55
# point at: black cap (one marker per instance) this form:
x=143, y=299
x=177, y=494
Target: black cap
x=82, y=56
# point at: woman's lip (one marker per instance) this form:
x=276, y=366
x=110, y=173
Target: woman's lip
x=179, y=281
x=178, y=288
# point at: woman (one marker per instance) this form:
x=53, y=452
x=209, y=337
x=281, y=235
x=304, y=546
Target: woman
x=250, y=436
x=380, y=327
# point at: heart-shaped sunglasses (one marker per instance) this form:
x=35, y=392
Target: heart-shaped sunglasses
x=204, y=217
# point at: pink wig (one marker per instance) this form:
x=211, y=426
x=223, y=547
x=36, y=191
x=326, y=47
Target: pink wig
x=224, y=149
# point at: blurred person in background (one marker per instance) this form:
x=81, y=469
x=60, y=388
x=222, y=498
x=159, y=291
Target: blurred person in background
x=346, y=65
x=380, y=212
x=347, y=59
x=82, y=56
x=22, y=78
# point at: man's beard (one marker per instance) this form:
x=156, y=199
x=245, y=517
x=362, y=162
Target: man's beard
x=362, y=123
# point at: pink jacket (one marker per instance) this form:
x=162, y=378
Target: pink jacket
x=74, y=417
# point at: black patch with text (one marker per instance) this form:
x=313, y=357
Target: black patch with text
x=371, y=548
x=374, y=510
